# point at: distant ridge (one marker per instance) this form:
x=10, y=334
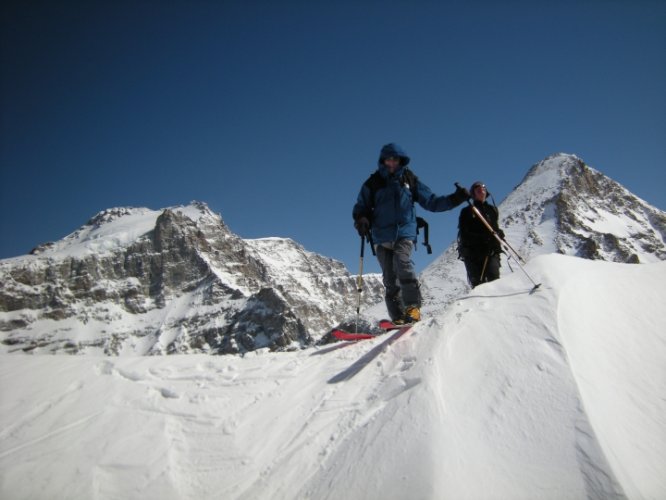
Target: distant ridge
x=141, y=281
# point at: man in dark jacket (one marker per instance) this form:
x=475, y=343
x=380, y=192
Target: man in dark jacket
x=385, y=209
x=478, y=248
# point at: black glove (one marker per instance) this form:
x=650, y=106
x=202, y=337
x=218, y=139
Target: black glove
x=362, y=225
x=460, y=195
x=500, y=233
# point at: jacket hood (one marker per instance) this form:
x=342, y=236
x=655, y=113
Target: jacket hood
x=392, y=149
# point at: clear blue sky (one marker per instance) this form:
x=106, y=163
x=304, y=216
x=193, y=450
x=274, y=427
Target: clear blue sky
x=273, y=112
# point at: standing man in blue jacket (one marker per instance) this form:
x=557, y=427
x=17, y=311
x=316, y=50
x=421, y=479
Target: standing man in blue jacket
x=385, y=210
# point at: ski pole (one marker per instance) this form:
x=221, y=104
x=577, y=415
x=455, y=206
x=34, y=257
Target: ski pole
x=483, y=271
x=513, y=250
x=359, y=282
x=503, y=243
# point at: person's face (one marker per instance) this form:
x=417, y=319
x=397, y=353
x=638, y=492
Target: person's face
x=480, y=192
x=392, y=163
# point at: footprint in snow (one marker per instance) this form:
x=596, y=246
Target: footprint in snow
x=168, y=393
x=104, y=368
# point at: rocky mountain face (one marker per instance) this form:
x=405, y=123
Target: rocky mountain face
x=565, y=206
x=138, y=281
x=573, y=209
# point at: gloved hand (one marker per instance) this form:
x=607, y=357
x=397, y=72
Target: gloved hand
x=500, y=233
x=362, y=225
x=460, y=195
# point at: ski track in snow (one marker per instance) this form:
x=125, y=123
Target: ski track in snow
x=487, y=399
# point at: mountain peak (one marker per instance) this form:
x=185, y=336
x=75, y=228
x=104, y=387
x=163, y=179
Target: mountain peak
x=121, y=227
x=565, y=206
x=557, y=161
x=111, y=214
x=548, y=174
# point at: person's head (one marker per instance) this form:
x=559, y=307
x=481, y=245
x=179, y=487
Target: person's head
x=393, y=157
x=478, y=191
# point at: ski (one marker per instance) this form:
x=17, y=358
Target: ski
x=384, y=324
x=387, y=324
x=343, y=335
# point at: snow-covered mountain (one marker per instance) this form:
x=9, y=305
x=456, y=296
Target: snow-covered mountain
x=140, y=281
x=562, y=206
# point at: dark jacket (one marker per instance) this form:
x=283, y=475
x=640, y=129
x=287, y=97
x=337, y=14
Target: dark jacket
x=475, y=238
x=390, y=209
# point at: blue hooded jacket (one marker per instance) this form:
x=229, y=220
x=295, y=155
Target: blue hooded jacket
x=391, y=210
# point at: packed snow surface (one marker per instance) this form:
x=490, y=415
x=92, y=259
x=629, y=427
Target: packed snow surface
x=505, y=393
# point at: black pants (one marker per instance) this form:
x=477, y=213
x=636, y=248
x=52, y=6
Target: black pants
x=482, y=268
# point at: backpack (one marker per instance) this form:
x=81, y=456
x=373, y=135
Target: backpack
x=375, y=182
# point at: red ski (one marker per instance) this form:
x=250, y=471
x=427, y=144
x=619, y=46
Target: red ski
x=387, y=324
x=384, y=324
x=342, y=335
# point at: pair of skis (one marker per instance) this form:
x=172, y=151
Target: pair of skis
x=384, y=324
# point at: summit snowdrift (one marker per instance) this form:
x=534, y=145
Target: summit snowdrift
x=503, y=394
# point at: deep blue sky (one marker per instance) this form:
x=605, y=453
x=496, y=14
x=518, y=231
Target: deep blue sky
x=274, y=112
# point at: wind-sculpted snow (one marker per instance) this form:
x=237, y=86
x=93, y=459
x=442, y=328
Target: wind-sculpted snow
x=505, y=393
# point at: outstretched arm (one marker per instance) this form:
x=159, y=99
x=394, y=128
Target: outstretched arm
x=430, y=201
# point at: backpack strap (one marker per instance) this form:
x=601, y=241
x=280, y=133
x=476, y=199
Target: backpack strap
x=422, y=223
x=374, y=183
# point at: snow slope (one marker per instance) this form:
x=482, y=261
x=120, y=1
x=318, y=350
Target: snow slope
x=502, y=394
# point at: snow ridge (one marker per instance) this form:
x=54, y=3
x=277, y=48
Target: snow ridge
x=503, y=394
